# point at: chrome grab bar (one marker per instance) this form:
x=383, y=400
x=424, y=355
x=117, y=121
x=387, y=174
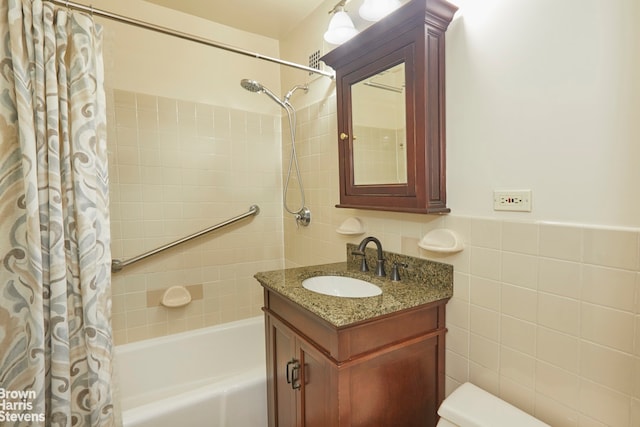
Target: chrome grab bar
x=117, y=265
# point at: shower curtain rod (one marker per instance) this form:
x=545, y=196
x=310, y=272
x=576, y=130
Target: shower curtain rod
x=185, y=36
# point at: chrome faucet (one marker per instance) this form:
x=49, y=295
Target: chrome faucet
x=360, y=252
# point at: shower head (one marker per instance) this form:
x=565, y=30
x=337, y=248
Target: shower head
x=254, y=86
x=251, y=85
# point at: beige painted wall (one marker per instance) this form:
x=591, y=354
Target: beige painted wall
x=541, y=96
x=143, y=61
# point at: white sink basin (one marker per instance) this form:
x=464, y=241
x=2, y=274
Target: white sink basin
x=339, y=286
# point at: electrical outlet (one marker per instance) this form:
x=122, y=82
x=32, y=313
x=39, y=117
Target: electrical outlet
x=512, y=200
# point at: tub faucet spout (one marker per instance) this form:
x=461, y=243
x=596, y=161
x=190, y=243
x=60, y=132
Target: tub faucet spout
x=360, y=251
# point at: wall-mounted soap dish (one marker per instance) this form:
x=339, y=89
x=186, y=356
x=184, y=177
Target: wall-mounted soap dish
x=176, y=296
x=442, y=240
x=351, y=226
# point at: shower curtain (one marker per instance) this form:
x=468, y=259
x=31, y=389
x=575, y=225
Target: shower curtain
x=55, y=333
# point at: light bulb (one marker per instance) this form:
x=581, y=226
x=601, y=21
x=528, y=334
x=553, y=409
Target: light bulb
x=340, y=29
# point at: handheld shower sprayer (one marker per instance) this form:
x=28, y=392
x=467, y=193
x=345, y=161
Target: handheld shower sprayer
x=254, y=86
x=302, y=215
x=251, y=85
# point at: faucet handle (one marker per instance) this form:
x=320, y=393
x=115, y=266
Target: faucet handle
x=395, y=274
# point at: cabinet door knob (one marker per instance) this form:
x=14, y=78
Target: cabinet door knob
x=293, y=367
x=343, y=136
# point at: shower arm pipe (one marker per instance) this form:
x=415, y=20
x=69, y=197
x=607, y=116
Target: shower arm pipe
x=117, y=265
x=185, y=36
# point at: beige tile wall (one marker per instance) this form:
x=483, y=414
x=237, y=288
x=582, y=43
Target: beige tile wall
x=547, y=316
x=178, y=167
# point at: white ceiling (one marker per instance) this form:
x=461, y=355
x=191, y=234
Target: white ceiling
x=271, y=18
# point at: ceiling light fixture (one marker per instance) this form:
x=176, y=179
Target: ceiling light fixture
x=374, y=10
x=341, y=27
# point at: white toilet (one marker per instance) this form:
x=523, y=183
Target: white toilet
x=471, y=406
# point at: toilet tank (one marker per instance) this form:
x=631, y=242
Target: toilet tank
x=471, y=406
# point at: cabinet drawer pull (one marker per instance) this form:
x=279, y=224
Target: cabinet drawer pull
x=293, y=367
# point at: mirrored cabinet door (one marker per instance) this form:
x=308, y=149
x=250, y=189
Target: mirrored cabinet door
x=379, y=140
x=379, y=119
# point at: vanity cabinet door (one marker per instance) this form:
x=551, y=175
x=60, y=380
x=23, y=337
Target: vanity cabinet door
x=297, y=379
x=315, y=403
x=281, y=396
x=398, y=387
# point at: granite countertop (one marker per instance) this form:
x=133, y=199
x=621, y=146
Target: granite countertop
x=423, y=283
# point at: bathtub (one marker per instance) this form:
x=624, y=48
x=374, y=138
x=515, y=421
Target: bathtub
x=212, y=377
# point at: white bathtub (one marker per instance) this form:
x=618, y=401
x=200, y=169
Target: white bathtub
x=212, y=377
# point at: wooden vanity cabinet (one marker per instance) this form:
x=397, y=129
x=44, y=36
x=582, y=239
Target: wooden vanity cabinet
x=387, y=371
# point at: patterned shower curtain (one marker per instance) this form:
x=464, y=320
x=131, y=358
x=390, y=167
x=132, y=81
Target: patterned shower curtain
x=55, y=333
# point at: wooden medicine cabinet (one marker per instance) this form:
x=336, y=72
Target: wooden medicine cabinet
x=391, y=111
